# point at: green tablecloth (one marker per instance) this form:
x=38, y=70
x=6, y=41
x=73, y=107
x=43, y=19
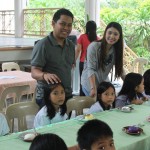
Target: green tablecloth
x=115, y=118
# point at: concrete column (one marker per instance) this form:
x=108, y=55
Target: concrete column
x=19, y=6
x=92, y=9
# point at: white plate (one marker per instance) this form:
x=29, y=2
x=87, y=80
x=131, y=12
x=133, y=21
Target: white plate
x=21, y=136
x=126, y=109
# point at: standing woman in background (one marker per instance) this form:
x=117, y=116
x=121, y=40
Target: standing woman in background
x=82, y=44
x=101, y=56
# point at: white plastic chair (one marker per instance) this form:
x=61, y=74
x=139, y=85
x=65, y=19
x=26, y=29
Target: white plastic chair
x=10, y=66
x=15, y=92
x=138, y=65
x=20, y=111
x=79, y=103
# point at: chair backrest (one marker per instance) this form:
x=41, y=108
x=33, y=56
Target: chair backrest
x=20, y=111
x=79, y=103
x=10, y=66
x=15, y=92
x=138, y=65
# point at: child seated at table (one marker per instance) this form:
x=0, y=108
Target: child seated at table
x=105, y=98
x=146, y=77
x=94, y=135
x=48, y=141
x=55, y=106
x=132, y=89
x=4, y=129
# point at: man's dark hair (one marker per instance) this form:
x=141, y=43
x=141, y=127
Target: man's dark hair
x=60, y=12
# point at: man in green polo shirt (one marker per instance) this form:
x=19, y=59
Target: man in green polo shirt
x=54, y=56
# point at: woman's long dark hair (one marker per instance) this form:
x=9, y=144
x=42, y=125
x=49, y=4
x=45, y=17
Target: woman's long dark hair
x=103, y=86
x=131, y=81
x=91, y=30
x=118, y=46
x=147, y=81
x=50, y=108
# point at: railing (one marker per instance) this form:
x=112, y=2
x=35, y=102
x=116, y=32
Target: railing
x=7, y=22
x=37, y=22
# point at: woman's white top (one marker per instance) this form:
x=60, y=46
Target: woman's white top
x=42, y=119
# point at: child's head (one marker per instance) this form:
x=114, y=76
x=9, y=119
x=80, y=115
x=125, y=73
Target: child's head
x=106, y=94
x=47, y=142
x=133, y=84
x=147, y=81
x=54, y=96
x=95, y=134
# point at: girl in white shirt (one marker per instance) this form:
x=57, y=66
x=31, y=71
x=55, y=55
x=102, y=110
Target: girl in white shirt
x=105, y=97
x=55, y=106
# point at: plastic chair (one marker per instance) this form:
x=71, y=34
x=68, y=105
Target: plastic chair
x=10, y=66
x=79, y=103
x=20, y=111
x=138, y=65
x=15, y=92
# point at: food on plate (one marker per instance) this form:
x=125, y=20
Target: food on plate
x=88, y=117
x=29, y=136
x=133, y=129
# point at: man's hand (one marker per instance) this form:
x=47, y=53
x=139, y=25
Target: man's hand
x=51, y=78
